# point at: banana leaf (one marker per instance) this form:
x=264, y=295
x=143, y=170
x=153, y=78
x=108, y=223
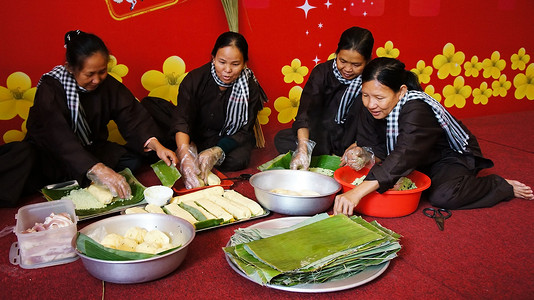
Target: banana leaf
x=137, y=196
x=282, y=161
x=327, y=249
x=168, y=175
x=92, y=248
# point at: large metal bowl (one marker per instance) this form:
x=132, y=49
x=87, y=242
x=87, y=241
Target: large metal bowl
x=295, y=180
x=135, y=271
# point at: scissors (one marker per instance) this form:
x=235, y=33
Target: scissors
x=439, y=215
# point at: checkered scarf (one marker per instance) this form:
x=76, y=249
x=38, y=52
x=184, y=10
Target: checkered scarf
x=354, y=87
x=237, y=109
x=77, y=114
x=456, y=136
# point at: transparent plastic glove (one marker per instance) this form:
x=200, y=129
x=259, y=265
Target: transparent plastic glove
x=189, y=167
x=302, y=157
x=358, y=157
x=209, y=158
x=115, y=182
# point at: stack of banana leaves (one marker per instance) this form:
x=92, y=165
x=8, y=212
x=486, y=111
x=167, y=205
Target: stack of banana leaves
x=320, y=249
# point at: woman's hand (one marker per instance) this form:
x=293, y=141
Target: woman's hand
x=165, y=154
x=345, y=203
x=209, y=158
x=302, y=157
x=116, y=183
x=357, y=157
x=189, y=167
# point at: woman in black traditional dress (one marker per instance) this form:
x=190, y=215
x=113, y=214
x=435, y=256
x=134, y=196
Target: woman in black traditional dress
x=330, y=113
x=421, y=135
x=216, y=110
x=67, y=127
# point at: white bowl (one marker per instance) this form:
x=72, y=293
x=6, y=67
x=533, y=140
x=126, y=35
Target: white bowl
x=179, y=230
x=158, y=195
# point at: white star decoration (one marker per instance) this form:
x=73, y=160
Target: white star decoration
x=320, y=25
x=316, y=60
x=327, y=3
x=306, y=7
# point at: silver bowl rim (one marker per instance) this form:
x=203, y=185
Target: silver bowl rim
x=339, y=186
x=156, y=257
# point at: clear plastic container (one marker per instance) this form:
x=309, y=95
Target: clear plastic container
x=44, y=248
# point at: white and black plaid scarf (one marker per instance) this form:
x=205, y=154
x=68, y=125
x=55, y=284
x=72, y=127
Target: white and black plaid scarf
x=237, y=109
x=456, y=136
x=355, y=86
x=77, y=114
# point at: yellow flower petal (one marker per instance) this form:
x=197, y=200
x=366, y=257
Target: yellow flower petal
x=121, y=70
x=167, y=92
x=174, y=64
x=153, y=79
x=287, y=115
x=13, y=136
x=19, y=81
x=282, y=103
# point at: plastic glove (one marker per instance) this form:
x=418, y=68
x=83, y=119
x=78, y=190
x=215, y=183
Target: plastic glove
x=358, y=157
x=209, y=158
x=302, y=157
x=189, y=167
x=116, y=183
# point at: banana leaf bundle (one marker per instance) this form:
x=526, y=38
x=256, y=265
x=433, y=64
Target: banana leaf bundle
x=322, y=249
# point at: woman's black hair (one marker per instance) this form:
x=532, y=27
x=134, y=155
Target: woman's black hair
x=231, y=38
x=81, y=45
x=359, y=39
x=391, y=73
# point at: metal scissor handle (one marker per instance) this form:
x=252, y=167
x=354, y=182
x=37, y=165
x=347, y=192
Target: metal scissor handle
x=439, y=215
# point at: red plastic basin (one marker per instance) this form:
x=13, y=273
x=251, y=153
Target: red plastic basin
x=390, y=203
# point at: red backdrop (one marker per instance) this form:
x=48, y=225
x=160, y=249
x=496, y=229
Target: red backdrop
x=278, y=32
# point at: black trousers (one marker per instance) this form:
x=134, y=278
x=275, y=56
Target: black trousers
x=455, y=185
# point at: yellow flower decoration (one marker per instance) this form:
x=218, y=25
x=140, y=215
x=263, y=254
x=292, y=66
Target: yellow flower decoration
x=422, y=71
x=481, y=95
x=17, y=98
x=263, y=115
x=448, y=63
x=115, y=70
x=493, y=67
x=331, y=56
x=165, y=84
x=520, y=60
x=473, y=67
x=114, y=134
x=287, y=108
x=388, y=50
x=500, y=87
x=16, y=135
x=429, y=89
x=456, y=94
x=524, y=84
x=295, y=72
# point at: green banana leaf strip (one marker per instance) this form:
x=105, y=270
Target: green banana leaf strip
x=136, y=187
x=280, y=162
x=168, y=175
x=250, y=270
x=194, y=212
x=208, y=223
x=92, y=248
x=265, y=271
x=298, y=248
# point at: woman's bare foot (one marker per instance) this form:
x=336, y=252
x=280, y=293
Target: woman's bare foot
x=521, y=190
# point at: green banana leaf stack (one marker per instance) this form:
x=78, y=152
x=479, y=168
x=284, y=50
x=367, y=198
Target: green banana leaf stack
x=321, y=249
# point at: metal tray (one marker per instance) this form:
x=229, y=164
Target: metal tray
x=265, y=214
